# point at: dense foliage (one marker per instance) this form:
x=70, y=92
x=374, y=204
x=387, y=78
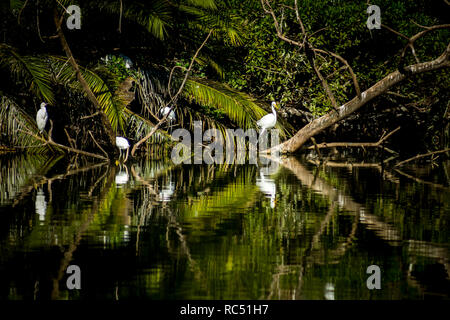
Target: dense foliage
x=243, y=66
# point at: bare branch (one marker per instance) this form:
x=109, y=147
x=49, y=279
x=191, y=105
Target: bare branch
x=421, y=156
x=173, y=101
x=355, y=80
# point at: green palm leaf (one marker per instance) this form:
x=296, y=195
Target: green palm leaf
x=155, y=16
x=239, y=107
x=32, y=70
x=138, y=127
x=15, y=125
x=207, y=4
x=111, y=103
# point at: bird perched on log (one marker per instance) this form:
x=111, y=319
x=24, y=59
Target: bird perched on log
x=42, y=117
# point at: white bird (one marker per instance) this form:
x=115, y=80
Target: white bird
x=268, y=187
x=171, y=117
x=122, y=144
x=127, y=61
x=269, y=120
x=41, y=117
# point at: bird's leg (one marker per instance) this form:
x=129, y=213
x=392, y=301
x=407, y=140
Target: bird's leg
x=126, y=156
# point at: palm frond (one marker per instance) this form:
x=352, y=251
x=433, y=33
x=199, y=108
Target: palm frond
x=15, y=125
x=204, y=59
x=227, y=26
x=33, y=71
x=155, y=16
x=111, y=103
x=207, y=4
x=240, y=108
x=138, y=127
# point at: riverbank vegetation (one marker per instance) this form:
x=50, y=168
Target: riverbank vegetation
x=223, y=62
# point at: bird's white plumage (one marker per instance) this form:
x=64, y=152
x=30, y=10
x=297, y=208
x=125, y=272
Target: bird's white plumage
x=269, y=120
x=122, y=143
x=171, y=117
x=42, y=117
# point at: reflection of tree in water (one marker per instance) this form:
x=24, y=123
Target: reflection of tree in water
x=292, y=234
x=315, y=254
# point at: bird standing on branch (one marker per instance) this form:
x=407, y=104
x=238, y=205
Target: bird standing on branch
x=171, y=117
x=42, y=117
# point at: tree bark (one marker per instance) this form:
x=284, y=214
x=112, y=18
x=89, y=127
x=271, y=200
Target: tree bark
x=104, y=119
x=318, y=125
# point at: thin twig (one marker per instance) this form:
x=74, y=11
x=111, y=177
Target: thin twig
x=421, y=156
x=174, y=98
x=95, y=141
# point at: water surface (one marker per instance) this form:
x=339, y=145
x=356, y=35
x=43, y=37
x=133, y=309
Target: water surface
x=153, y=230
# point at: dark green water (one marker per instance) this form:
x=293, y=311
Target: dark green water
x=152, y=230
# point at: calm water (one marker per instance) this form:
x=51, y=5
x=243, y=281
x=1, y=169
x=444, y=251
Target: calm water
x=153, y=230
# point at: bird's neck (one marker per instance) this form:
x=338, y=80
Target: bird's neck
x=274, y=112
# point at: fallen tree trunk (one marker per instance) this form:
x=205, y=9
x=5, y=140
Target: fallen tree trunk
x=318, y=125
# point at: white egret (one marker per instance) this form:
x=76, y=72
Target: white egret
x=164, y=111
x=42, y=117
x=171, y=115
x=268, y=187
x=127, y=61
x=269, y=120
x=122, y=144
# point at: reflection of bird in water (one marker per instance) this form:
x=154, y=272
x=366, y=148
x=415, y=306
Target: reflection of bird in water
x=268, y=187
x=166, y=192
x=122, y=176
x=329, y=291
x=40, y=204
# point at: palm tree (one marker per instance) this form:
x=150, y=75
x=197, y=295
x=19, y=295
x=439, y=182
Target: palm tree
x=41, y=75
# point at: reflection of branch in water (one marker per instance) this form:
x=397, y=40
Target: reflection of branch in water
x=67, y=258
x=434, y=185
x=193, y=265
x=386, y=174
x=382, y=229
x=96, y=183
x=42, y=180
